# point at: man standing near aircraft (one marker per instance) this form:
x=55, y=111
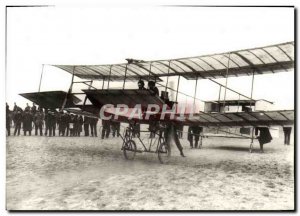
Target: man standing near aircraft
x=115, y=126
x=93, y=125
x=287, y=134
x=171, y=133
x=60, y=121
x=51, y=123
x=263, y=135
x=105, y=129
x=68, y=120
x=27, y=122
x=18, y=120
x=46, y=121
x=194, y=131
x=38, y=122
x=15, y=109
x=27, y=108
x=86, y=124
x=80, y=123
x=33, y=109
x=7, y=120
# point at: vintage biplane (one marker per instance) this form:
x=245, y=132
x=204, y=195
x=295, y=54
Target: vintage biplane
x=248, y=62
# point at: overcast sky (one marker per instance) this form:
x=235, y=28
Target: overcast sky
x=104, y=35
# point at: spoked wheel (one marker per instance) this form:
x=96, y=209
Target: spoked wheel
x=129, y=149
x=164, y=153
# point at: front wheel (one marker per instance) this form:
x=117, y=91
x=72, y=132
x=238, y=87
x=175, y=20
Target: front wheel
x=129, y=149
x=164, y=152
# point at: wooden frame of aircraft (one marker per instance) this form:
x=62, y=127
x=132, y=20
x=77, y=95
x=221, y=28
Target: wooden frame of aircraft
x=247, y=62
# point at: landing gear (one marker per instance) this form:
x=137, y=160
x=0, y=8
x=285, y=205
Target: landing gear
x=164, y=152
x=129, y=149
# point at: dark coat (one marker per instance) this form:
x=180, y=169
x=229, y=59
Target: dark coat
x=93, y=121
x=63, y=120
x=27, y=121
x=18, y=118
x=33, y=109
x=80, y=123
x=51, y=120
x=154, y=91
x=106, y=123
x=8, y=116
x=194, y=131
x=265, y=135
x=38, y=119
x=86, y=120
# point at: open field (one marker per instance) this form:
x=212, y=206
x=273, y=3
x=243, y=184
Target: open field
x=87, y=173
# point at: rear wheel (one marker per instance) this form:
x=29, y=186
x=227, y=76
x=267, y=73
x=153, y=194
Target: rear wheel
x=129, y=149
x=164, y=152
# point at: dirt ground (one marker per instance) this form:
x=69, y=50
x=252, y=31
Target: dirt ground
x=87, y=173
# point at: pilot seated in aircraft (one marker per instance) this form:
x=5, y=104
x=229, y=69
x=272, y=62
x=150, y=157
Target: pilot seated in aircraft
x=141, y=85
x=165, y=97
x=153, y=89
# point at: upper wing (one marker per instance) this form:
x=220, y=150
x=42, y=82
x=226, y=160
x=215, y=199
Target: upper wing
x=262, y=60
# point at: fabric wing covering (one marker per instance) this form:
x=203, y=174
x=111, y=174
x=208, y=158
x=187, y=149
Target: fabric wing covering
x=129, y=97
x=52, y=99
x=262, y=60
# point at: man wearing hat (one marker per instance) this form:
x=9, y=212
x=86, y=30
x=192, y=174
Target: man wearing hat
x=38, y=122
x=153, y=89
x=27, y=122
x=18, y=121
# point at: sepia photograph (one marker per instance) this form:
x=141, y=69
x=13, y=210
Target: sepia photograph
x=150, y=108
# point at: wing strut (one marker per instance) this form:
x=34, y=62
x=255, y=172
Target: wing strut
x=229, y=89
x=70, y=90
x=125, y=77
x=177, y=87
x=150, y=68
x=179, y=92
x=41, y=77
x=103, y=83
x=219, y=97
x=91, y=83
x=252, y=86
x=168, y=76
x=195, y=92
x=226, y=80
x=109, y=77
